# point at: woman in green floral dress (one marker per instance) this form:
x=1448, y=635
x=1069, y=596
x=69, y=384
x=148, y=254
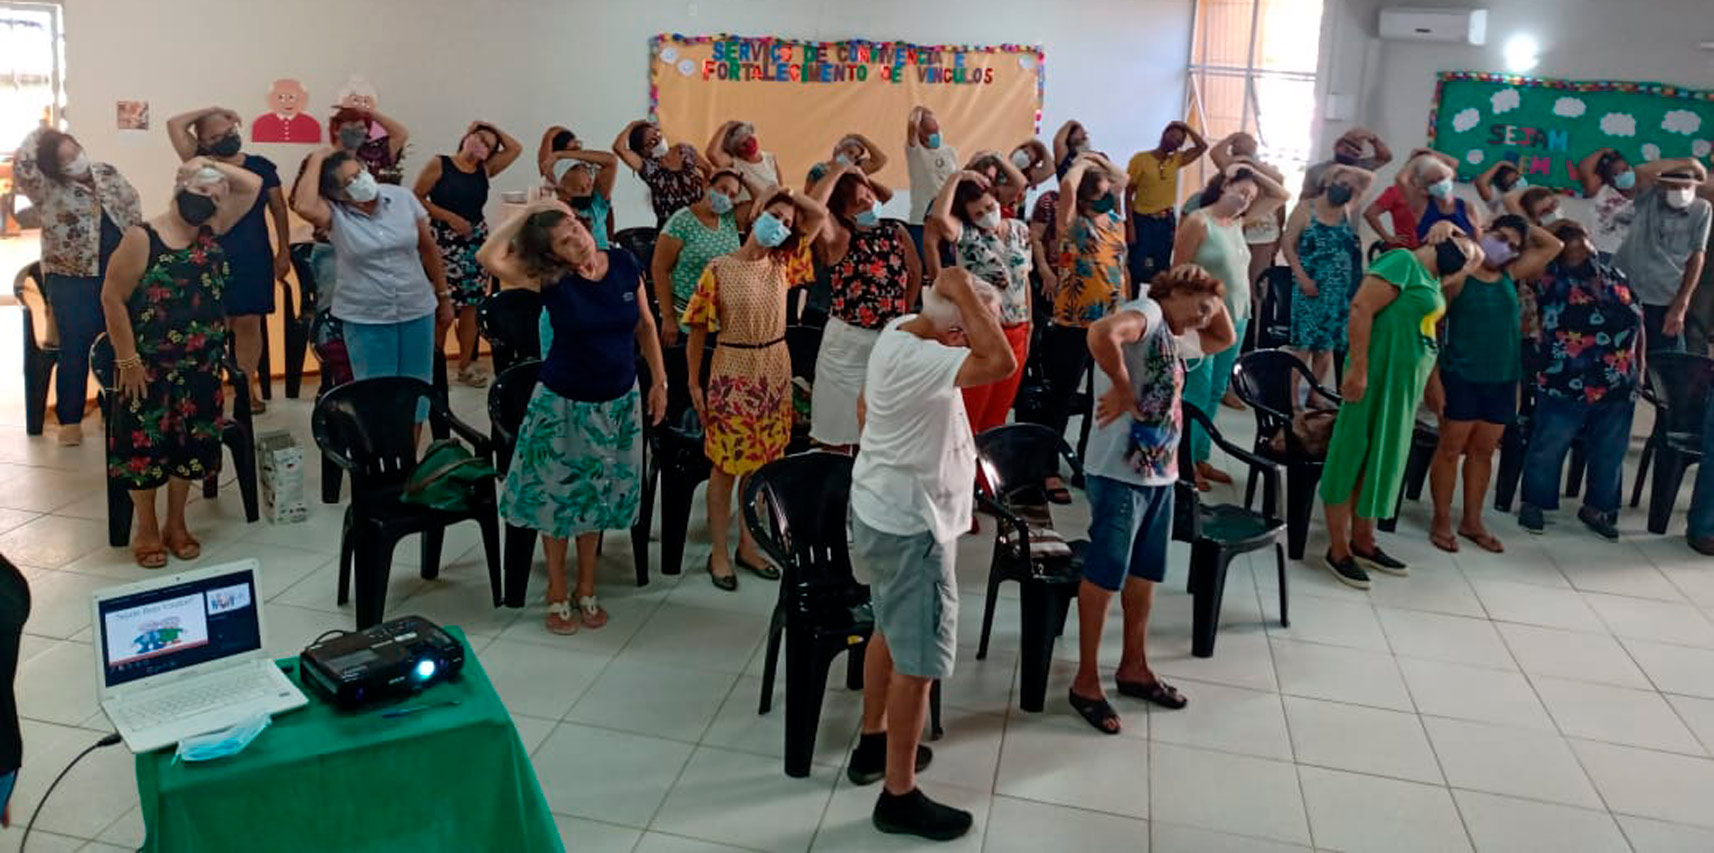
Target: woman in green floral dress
x=162, y=303
x=578, y=466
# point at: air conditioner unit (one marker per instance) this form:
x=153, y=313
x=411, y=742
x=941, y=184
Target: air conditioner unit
x=1468, y=26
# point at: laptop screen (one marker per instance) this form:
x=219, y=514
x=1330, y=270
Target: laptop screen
x=168, y=628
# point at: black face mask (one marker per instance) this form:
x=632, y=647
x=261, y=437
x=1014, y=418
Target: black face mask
x=581, y=202
x=1448, y=258
x=193, y=208
x=1345, y=159
x=1338, y=195
x=225, y=146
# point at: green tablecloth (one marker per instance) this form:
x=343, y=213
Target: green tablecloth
x=453, y=778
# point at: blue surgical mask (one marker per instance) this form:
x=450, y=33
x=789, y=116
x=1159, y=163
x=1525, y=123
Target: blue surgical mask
x=1441, y=188
x=934, y=140
x=869, y=218
x=225, y=742
x=720, y=202
x=842, y=159
x=770, y=231
x=1625, y=180
x=1520, y=183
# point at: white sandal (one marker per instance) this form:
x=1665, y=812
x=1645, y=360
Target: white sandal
x=560, y=619
x=590, y=611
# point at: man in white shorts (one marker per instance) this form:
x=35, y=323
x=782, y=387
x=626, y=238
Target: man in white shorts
x=911, y=495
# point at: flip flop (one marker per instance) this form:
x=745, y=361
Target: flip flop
x=763, y=571
x=1095, y=712
x=1157, y=691
x=1485, y=541
x=150, y=558
x=560, y=619
x=589, y=610
x=1445, y=542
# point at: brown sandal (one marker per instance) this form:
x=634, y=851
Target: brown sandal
x=188, y=549
x=154, y=557
x=1444, y=541
x=560, y=619
x=1485, y=541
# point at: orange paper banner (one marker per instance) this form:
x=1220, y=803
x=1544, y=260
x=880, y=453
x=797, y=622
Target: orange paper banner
x=804, y=96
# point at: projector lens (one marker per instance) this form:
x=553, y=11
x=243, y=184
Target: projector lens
x=425, y=670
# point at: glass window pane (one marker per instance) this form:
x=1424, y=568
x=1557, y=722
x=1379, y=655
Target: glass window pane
x=1223, y=30
x=1289, y=35
x=1286, y=108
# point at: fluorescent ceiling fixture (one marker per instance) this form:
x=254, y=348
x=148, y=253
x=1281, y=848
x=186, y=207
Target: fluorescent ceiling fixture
x=1521, y=53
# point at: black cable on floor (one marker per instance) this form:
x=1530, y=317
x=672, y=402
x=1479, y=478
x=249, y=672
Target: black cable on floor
x=106, y=741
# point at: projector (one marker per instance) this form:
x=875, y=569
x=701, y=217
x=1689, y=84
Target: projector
x=391, y=660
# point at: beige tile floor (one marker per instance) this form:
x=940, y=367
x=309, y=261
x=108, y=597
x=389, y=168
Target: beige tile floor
x=1558, y=698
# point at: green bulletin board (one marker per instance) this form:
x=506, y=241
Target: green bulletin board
x=1546, y=126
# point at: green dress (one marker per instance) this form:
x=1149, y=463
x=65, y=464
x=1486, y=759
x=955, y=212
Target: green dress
x=1371, y=438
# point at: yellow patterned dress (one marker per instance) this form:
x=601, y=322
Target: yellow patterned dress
x=748, y=417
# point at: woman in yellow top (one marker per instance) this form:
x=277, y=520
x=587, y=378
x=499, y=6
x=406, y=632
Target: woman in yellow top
x=747, y=409
x=1149, y=220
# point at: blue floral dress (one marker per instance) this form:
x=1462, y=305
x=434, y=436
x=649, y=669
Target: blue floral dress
x=1329, y=254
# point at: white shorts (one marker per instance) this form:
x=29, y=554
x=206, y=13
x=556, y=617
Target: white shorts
x=840, y=370
x=1262, y=231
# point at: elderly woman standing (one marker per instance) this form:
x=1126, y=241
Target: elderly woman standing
x=996, y=250
x=392, y=288
x=1326, y=261
x=694, y=236
x=162, y=302
x=734, y=145
x=747, y=410
x=583, y=180
x=454, y=190
x=1392, y=353
x=577, y=468
x=86, y=207
x=876, y=277
x=255, y=265
x=1213, y=238
x=675, y=175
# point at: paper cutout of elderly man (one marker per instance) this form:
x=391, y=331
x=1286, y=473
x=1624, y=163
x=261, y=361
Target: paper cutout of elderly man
x=287, y=121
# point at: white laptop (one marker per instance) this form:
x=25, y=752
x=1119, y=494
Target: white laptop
x=182, y=655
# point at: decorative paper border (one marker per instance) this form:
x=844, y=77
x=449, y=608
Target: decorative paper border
x=658, y=41
x=1663, y=90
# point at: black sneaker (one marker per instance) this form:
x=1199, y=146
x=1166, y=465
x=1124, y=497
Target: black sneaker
x=868, y=762
x=1702, y=545
x=1381, y=561
x=1529, y=518
x=1346, y=571
x=916, y=814
x=1599, y=522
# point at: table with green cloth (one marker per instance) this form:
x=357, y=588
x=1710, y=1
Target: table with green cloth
x=452, y=778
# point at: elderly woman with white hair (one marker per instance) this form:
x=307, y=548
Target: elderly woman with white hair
x=162, y=301
x=1434, y=173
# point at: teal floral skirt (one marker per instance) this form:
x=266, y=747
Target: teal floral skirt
x=578, y=466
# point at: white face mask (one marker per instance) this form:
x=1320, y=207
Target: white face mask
x=1678, y=198
x=990, y=220
x=660, y=149
x=1021, y=159
x=1548, y=217
x=362, y=189
x=79, y=166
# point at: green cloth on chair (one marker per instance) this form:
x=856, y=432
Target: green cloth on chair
x=452, y=778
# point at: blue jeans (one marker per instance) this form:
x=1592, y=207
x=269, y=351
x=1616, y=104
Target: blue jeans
x=1606, y=431
x=76, y=301
x=1653, y=338
x=393, y=349
x=1702, y=500
x=1152, y=253
x=1205, y=385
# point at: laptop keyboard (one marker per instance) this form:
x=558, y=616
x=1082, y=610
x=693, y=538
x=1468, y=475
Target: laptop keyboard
x=185, y=701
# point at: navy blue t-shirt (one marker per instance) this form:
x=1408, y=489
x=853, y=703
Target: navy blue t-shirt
x=593, y=355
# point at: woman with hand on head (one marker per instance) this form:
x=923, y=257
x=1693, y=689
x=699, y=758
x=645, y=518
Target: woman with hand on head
x=735, y=146
x=1610, y=183
x=875, y=276
x=1000, y=178
x=583, y=180
x=675, y=175
x=86, y=208
x=855, y=150
x=577, y=468
x=1213, y=238
x=1071, y=140
x=997, y=250
x=1434, y=175
x=1392, y=353
x=392, y=288
x=1474, y=387
x=353, y=129
x=454, y=190
x=747, y=409
x=162, y=303
x=1498, y=181
x=1322, y=247
x=255, y=265
x=693, y=237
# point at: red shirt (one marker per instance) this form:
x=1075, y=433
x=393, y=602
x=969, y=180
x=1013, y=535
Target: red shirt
x=1404, y=221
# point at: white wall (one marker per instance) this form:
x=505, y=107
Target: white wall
x=1118, y=65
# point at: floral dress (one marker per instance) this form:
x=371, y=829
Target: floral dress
x=1092, y=270
x=1001, y=258
x=1329, y=254
x=869, y=282
x=748, y=417
x=173, y=428
x=669, y=190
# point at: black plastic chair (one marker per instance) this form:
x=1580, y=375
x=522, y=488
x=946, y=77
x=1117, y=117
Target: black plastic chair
x=1681, y=382
x=1219, y=532
x=796, y=509
x=41, y=345
x=237, y=432
x=366, y=427
x=1647, y=395
x=1262, y=379
x=804, y=344
x=1424, y=439
x=510, y=320
x=640, y=242
x=327, y=341
x=1273, y=323
x=678, y=462
x=1016, y=461
x=300, y=317
x=508, y=400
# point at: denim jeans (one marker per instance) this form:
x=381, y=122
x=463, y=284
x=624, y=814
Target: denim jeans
x=76, y=301
x=1653, y=338
x=393, y=349
x=1702, y=500
x=1606, y=431
x=1152, y=253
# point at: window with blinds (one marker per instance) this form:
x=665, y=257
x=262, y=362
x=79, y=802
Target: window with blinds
x=1252, y=69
